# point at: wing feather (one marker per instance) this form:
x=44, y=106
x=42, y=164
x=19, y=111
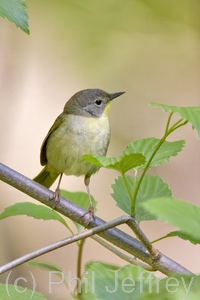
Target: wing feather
x=43, y=157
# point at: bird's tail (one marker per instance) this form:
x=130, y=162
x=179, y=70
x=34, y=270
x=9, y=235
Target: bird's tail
x=46, y=177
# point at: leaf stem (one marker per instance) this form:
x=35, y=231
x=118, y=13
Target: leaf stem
x=142, y=176
x=168, y=122
x=177, y=125
x=168, y=131
x=130, y=259
x=79, y=262
x=127, y=187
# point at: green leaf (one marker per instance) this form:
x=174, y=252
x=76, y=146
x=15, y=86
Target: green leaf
x=174, y=287
x=32, y=210
x=15, y=11
x=183, y=215
x=44, y=265
x=191, y=114
x=9, y=291
x=179, y=234
x=183, y=236
x=120, y=193
x=49, y=267
x=132, y=282
x=81, y=199
x=108, y=283
x=122, y=163
x=151, y=187
x=147, y=147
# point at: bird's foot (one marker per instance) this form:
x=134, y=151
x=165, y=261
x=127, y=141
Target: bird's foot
x=91, y=213
x=56, y=197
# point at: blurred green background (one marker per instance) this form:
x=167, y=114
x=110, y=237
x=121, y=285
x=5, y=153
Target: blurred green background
x=151, y=50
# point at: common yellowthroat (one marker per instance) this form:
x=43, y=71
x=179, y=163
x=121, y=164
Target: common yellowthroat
x=82, y=128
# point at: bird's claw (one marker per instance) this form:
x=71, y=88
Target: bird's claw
x=91, y=213
x=55, y=198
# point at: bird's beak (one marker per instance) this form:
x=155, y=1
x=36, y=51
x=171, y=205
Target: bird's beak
x=115, y=95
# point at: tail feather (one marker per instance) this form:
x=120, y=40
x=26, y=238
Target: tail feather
x=46, y=178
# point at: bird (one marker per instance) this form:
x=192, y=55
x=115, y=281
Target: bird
x=82, y=128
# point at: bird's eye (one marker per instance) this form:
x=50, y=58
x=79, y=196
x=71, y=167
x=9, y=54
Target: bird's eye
x=98, y=102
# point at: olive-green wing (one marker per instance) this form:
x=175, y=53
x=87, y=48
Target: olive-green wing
x=56, y=124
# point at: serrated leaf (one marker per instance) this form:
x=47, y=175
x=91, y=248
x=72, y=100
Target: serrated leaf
x=151, y=187
x=121, y=195
x=174, y=287
x=114, y=284
x=32, y=210
x=183, y=215
x=101, y=161
x=15, y=11
x=179, y=234
x=122, y=163
x=147, y=147
x=191, y=114
x=132, y=282
x=9, y=291
x=130, y=161
x=183, y=236
x=81, y=199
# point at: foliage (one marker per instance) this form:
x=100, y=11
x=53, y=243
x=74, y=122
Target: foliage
x=10, y=291
x=15, y=11
x=144, y=197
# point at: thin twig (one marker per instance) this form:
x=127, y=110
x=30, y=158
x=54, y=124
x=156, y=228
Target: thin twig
x=62, y=243
x=74, y=212
x=129, y=259
x=142, y=237
x=79, y=260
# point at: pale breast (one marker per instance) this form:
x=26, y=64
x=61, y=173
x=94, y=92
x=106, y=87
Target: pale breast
x=74, y=138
